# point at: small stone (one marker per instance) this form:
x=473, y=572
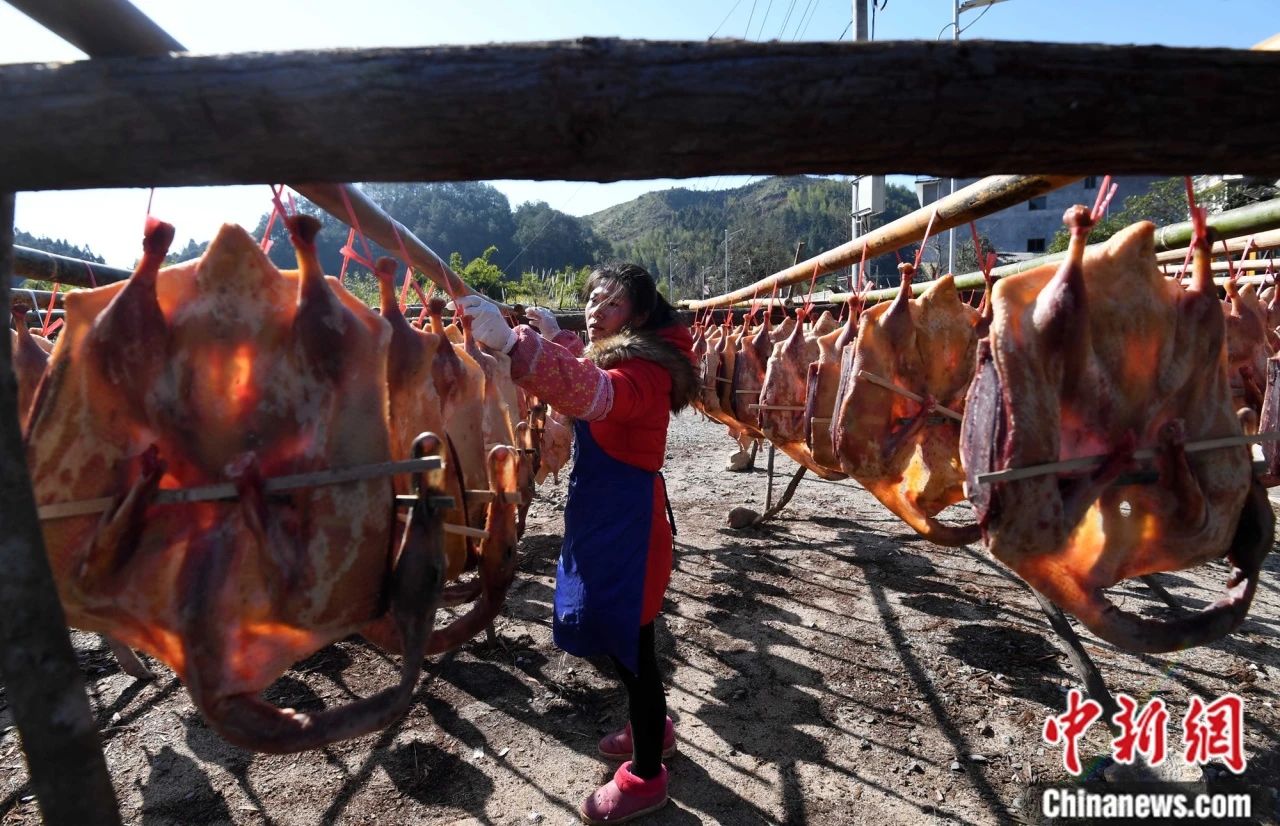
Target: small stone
x=477, y=754
x=915, y=768
x=811, y=624
x=534, y=817
x=1008, y=739
x=955, y=766
x=27, y=798
x=863, y=745
x=913, y=740
x=503, y=752
x=987, y=730
x=1040, y=752
x=115, y=719
x=1017, y=802
x=740, y=518
x=937, y=795
x=868, y=719
x=979, y=758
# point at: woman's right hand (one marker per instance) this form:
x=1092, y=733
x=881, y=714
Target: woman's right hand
x=543, y=320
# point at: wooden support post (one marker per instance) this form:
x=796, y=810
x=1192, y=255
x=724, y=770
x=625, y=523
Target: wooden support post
x=1080, y=660
x=786, y=497
x=768, y=493
x=43, y=681
x=1164, y=595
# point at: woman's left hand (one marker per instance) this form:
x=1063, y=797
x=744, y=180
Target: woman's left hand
x=487, y=323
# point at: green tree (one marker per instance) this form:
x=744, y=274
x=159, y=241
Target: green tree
x=480, y=274
x=547, y=238
x=966, y=260
x=1165, y=202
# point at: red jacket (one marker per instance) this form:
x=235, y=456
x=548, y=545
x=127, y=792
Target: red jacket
x=624, y=391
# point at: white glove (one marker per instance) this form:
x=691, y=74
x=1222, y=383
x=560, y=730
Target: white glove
x=487, y=323
x=543, y=320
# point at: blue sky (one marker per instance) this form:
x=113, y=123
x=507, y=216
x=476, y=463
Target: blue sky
x=109, y=221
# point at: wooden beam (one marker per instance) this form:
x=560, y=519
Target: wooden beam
x=600, y=109
x=43, y=683
x=974, y=201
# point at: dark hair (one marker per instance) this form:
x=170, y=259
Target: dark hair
x=639, y=286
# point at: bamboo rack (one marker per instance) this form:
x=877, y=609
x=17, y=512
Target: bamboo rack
x=979, y=199
x=1255, y=218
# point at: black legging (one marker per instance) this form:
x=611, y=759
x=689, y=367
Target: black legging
x=648, y=707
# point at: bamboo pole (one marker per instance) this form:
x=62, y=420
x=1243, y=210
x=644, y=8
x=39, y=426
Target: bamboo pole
x=102, y=28
x=975, y=201
x=381, y=227
x=43, y=683
x=1170, y=268
x=1260, y=241
x=46, y=266
x=1233, y=223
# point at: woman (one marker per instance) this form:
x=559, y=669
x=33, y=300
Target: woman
x=616, y=559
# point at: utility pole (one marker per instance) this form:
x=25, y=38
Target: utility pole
x=727, y=236
x=671, y=287
x=951, y=233
x=958, y=6
x=861, y=16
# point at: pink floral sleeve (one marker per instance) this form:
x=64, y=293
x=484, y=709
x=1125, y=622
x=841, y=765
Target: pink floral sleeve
x=552, y=371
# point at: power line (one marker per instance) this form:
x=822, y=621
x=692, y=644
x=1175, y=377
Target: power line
x=545, y=224
x=846, y=31
x=747, y=33
x=783, y=29
x=726, y=18
x=767, y=9
x=814, y=11
x=976, y=19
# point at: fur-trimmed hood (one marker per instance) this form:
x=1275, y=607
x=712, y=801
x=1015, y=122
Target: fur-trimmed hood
x=671, y=348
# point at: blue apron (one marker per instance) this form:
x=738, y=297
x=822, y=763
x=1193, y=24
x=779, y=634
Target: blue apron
x=600, y=576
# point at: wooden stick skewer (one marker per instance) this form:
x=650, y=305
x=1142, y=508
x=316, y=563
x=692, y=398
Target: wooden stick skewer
x=1090, y=462
x=227, y=490
x=463, y=530
x=508, y=498
x=902, y=391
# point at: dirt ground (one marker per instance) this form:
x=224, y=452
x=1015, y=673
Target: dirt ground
x=829, y=668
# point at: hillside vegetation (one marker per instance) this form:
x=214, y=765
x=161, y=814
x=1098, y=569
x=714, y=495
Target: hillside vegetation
x=537, y=254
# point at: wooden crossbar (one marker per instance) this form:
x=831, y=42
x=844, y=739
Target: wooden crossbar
x=227, y=490
x=1090, y=462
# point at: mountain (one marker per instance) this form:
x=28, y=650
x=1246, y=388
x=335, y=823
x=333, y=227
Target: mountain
x=681, y=232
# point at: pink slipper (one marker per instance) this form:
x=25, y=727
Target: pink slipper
x=618, y=745
x=625, y=797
